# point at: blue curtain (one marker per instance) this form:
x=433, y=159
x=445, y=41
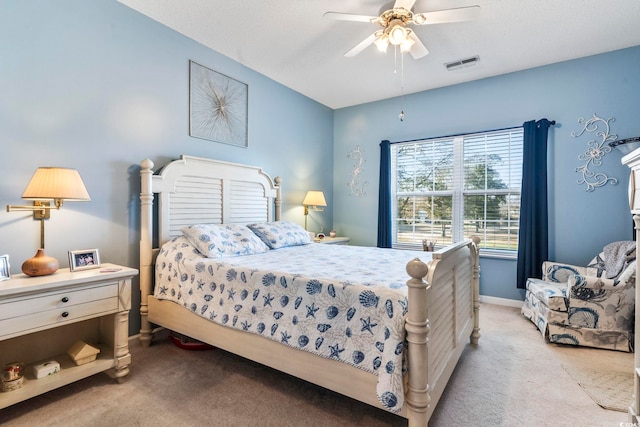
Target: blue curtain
x=384, y=196
x=533, y=241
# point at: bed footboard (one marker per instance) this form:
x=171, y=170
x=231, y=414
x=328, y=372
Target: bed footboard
x=443, y=316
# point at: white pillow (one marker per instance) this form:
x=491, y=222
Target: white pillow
x=224, y=240
x=280, y=234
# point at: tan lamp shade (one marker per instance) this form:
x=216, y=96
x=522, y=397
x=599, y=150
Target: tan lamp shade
x=314, y=198
x=56, y=183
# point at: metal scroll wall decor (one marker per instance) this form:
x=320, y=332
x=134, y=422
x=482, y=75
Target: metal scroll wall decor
x=597, y=149
x=357, y=188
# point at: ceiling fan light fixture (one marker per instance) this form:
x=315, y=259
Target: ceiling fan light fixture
x=397, y=35
x=406, y=44
x=382, y=42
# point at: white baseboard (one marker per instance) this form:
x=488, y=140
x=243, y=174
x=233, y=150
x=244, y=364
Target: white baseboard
x=501, y=301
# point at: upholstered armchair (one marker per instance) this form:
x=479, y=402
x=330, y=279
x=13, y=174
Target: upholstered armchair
x=586, y=306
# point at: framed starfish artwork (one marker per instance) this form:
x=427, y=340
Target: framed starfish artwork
x=218, y=106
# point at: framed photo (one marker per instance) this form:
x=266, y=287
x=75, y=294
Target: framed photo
x=218, y=106
x=5, y=269
x=84, y=259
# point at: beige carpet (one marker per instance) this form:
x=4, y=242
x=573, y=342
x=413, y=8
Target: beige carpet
x=513, y=378
x=611, y=390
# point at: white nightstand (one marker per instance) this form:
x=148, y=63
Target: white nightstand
x=333, y=240
x=42, y=317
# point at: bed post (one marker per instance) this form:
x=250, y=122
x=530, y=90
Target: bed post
x=146, y=247
x=475, y=252
x=278, y=201
x=417, y=327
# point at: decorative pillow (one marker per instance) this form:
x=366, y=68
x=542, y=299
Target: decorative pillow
x=223, y=240
x=280, y=234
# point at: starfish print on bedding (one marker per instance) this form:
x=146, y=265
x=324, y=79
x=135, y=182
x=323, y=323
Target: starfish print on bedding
x=367, y=325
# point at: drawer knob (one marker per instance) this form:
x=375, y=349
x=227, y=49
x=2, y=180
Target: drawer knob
x=65, y=314
x=65, y=299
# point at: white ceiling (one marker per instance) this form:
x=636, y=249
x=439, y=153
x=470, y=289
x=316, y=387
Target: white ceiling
x=292, y=43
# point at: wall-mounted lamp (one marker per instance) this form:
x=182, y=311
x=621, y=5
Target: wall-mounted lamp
x=316, y=200
x=49, y=184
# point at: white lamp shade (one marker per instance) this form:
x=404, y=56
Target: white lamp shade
x=314, y=198
x=382, y=41
x=56, y=183
x=397, y=35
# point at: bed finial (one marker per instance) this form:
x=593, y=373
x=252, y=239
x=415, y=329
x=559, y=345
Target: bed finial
x=146, y=164
x=417, y=269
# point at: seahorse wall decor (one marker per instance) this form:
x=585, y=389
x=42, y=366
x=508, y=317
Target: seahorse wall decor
x=595, y=152
x=357, y=188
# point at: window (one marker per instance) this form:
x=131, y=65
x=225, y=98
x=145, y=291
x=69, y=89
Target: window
x=451, y=188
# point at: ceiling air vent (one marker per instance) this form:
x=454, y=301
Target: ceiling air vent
x=462, y=63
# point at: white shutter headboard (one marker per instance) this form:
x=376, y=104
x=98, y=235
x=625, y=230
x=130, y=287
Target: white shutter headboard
x=195, y=190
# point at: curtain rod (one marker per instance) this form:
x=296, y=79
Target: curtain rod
x=551, y=123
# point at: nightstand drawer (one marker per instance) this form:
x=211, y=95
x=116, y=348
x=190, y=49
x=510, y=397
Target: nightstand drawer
x=25, y=305
x=333, y=240
x=50, y=318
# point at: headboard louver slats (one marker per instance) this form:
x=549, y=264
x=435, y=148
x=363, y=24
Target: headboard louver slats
x=196, y=200
x=247, y=203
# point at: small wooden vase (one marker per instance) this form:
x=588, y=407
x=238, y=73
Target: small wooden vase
x=40, y=265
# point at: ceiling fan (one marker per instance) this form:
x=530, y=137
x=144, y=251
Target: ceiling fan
x=395, y=30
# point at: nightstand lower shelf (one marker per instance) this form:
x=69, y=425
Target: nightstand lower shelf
x=69, y=372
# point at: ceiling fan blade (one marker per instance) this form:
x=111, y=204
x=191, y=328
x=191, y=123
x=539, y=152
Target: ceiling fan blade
x=449, y=15
x=418, y=49
x=351, y=17
x=361, y=46
x=405, y=4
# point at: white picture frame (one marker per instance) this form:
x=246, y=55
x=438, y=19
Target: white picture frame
x=84, y=259
x=5, y=268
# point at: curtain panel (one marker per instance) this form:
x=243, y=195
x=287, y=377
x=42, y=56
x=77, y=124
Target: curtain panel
x=384, y=196
x=533, y=241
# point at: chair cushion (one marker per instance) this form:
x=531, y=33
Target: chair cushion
x=553, y=295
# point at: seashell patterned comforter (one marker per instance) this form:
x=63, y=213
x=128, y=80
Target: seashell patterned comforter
x=340, y=302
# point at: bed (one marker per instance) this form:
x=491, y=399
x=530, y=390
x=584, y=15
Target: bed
x=318, y=316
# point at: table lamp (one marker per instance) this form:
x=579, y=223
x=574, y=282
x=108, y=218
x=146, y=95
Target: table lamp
x=49, y=183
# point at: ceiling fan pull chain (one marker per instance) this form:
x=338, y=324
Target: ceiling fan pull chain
x=401, y=115
x=395, y=60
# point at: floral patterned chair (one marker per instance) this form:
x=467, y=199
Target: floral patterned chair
x=589, y=306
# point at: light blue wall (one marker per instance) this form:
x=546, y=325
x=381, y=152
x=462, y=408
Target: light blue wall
x=96, y=86
x=581, y=222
